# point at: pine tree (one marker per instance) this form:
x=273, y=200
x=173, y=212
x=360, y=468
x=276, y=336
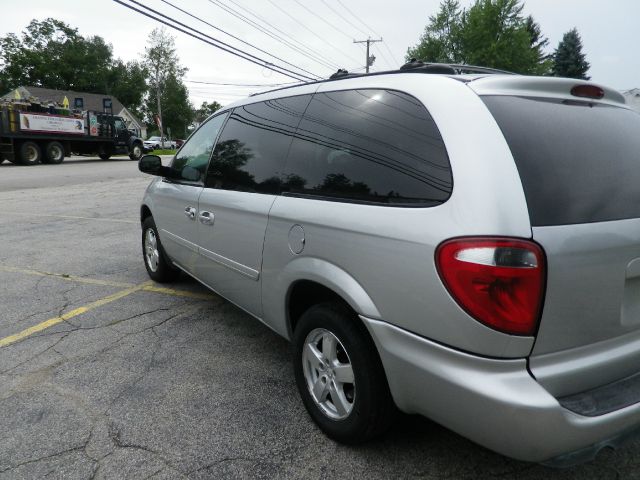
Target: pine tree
x=568, y=59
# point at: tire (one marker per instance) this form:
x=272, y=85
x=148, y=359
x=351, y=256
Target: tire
x=136, y=152
x=54, y=153
x=155, y=259
x=105, y=151
x=364, y=408
x=30, y=153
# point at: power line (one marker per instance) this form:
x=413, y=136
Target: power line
x=225, y=46
x=344, y=19
x=379, y=50
x=357, y=17
x=234, y=37
x=323, y=20
x=353, y=25
x=309, y=53
x=242, y=84
x=246, y=9
x=329, y=24
x=298, y=22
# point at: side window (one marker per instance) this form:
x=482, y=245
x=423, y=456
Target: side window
x=191, y=161
x=370, y=146
x=253, y=146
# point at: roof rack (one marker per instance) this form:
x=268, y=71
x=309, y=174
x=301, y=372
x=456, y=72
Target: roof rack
x=412, y=66
x=449, y=68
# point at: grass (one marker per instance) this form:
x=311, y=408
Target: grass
x=161, y=151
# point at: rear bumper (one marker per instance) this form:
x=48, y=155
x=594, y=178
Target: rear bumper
x=493, y=402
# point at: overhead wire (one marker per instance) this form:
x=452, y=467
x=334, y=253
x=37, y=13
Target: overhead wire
x=384, y=57
x=323, y=20
x=309, y=53
x=262, y=19
x=343, y=18
x=242, y=84
x=198, y=35
x=298, y=22
x=235, y=37
x=359, y=19
x=358, y=62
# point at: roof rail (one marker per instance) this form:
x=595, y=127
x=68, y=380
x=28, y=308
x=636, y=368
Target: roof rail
x=412, y=66
x=448, y=68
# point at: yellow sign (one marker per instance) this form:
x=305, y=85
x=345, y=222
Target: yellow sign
x=17, y=95
x=65, y=102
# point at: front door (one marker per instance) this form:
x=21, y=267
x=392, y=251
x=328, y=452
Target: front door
x=175, y=207
x=122, y=134
x=243, y=179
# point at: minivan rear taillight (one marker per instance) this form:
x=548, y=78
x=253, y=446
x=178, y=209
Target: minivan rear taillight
x=498, y=281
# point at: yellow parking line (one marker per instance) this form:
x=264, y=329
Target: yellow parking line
x=73, y=313
x=181, y=293
x=64, y=276
x=72, y=217
x=106, y=283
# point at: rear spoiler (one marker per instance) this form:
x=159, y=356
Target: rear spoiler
x=546, y=87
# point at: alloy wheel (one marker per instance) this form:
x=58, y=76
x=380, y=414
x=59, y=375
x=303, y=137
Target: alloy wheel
x=152, y=255
x=329, y=374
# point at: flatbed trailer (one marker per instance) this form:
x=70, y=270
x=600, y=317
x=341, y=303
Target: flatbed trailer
x=32, y=137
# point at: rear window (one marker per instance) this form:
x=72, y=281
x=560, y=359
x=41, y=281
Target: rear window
x=578, y=162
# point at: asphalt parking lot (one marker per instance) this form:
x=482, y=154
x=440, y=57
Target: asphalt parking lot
x=104, y=374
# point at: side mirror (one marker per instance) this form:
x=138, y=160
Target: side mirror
x=151, y=164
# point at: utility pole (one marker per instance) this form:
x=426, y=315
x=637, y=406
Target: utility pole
x=370, y=59
x=159, y=109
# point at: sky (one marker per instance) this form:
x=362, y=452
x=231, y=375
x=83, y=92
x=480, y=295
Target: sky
x=325, y=30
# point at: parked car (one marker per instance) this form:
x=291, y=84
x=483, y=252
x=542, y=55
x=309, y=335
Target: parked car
x=155, y=143
x=179, y=142
x=463, y=245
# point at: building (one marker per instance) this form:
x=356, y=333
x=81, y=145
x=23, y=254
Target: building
x=80, y=101
x=633, y=98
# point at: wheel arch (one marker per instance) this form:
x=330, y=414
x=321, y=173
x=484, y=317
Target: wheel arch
x=145, y=212
x=313, y=280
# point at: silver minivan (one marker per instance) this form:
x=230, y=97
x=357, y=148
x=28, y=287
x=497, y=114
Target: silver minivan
x=463, y=245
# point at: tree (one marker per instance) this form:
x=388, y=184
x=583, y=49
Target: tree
x=440, y=42
x=177, y=111
x=539, y=43
x=51, y=54
x=494, y=34
x=168, y=96
x=491, y=33
x=128, y=83
x=206, y=110
x=568, y=59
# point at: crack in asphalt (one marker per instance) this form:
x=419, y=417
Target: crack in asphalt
x=46, y=457
x=113, y=432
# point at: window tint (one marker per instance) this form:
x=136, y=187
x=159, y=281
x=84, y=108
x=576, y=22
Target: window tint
x=578, y=162
x=192, y=159
x=253, y=146
x=378, y=146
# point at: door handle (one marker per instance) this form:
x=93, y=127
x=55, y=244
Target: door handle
x=190, y=212
x=206, y=218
